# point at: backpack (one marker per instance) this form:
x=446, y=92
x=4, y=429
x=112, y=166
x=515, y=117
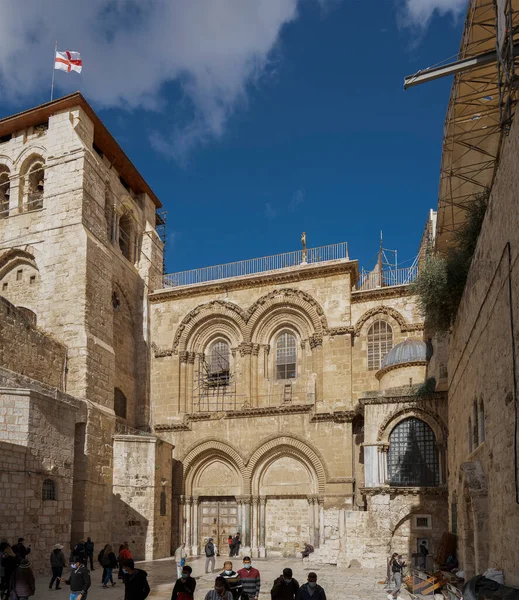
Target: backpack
x=105, y=561
x=209, y=550
x=100, y=557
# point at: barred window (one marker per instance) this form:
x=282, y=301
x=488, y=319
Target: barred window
x=219, y=363
x=286, y=355
x=163, y=510
x=119, y=403
x=48, y=490
x=413, y=456
x=380, y=342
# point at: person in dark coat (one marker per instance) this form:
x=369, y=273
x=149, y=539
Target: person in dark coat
x=57, y=564
x=311, y=590
x=232, y=579
x=10, y=563
x=285, y=587
x=20, y=550
x=136, y=585
x=89, y=549
x=109, y=563
x=79, y=579
x=184, y=588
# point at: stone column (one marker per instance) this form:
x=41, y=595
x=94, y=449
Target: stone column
x=316, y=521
x=246, y=521
x=311, y=522
x=383, y=475
x=440, y=447
x=254, y=528
x=321, y=521
x=262, y=526
x=254, y=375
x=245, y=349
x=189, y=508
x=189, y=381
x=195, y=541
x=182, y=356
x=181, y=520
x=316, y=344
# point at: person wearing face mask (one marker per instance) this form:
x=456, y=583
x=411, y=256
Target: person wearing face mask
x=185, y=586
x=250, y=579
x=220, y=592
x=79, y=579
x=232, y=579
x=285, y=587
x=136, y=585
x=311, y=590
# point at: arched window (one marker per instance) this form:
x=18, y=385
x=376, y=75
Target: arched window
x=125, y=236
x=35, y=184
x=413, y=456
x=5, y=192
x=119, y=403
x=380, y=342
x=219, y=363
x=286, y=355
x=48, y=490
x=481, y=421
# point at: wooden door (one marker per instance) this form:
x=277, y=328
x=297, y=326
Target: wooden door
x=219, y=520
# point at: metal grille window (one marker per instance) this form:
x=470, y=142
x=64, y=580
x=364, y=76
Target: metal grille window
x=380, y=342
x=119, y=403
x=163, y=511
x=48, y=490
x=413, y=456
x=219, y=363
x=286, y=355
x=35, y=181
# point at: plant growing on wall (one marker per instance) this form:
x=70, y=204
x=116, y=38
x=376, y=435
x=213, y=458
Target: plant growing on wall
x=442, y=279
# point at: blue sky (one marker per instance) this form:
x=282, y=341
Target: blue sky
x=303, y=127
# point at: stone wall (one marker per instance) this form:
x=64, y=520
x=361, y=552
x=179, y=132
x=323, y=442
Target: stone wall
x=483, y=401
x=29, y=351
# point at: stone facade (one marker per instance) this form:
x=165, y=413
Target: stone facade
x=287, y=455
x=483, y=403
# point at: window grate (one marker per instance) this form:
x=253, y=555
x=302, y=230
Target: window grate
x=413, y=456
x=286, y=355
x=380, y=342
x=48, y=490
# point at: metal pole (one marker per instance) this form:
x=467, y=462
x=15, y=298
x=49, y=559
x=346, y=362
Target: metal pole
x=53, y=71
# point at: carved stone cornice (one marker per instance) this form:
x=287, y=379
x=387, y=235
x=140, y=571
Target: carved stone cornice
x=339, y=416
x=397, y=291
x=255, y=349
x=346, y=330
x=412, y=363
x=266, y=411
x=316, y=340
x=171, y=427
x=288, y=275
x=408, y=398
x=183, y=356
x=191, y=357
x=161, y=351
x=341, y=480
x=404, y=491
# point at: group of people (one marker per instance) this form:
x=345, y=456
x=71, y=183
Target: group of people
x=16, y=574
x=245, y=584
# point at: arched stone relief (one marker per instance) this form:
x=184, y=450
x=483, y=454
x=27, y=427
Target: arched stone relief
x=380, y=310
x=13, y=256
x=215, y=308
x=428, y=416
x=274, y=446
x=279, y=455
x=211, y=445
x=32, y=152
x=286, y=297
x=279, y=319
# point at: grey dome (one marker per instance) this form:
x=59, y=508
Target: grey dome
x=410, y=350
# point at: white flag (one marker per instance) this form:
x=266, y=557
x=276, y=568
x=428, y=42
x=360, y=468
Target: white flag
x=68, y=61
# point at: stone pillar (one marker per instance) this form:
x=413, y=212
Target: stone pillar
x=254, y=401
x=181, y=520
x=195, y=541
x=245, y=349
x=189, y=507
x=321, y=521
x=316, y=521
x=246, y=521
x=316, y=344
x=254, y=528
x=262, y=526
x=182, y=356
x=383, y=475
x=311, y=521
x=189, y=381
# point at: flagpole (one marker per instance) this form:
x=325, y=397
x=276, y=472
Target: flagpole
x=53, y=71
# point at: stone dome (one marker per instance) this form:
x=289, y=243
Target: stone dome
x=408, y=351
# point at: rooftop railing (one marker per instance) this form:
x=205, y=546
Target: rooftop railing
x=388, y=278
x=254, y=266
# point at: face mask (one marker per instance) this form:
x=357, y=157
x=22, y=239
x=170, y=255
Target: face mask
x=289, y=580
x=227, y=572
x=312, y=584
x=72, y=566
x=184, y=576
x=125, y=571
x=247, y=565
x=219, y=590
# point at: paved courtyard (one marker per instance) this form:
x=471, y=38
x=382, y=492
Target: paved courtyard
x=350, y=584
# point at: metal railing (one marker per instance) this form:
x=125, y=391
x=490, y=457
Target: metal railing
x=253, y=266
x=388, y=278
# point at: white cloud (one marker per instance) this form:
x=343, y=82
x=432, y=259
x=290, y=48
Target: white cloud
x=131, y=49
x=270, y=211
x=297, y=199
x=420, y=12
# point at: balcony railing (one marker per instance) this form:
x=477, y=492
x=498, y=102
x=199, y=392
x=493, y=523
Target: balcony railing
x=388, y=278
x=254, y=266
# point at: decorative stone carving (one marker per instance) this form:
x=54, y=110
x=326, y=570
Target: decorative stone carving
x=245, y=348
x=379, y=310
x=256, y=349
x=191, y=357
x=315, y=340
x=161, y=352
x=183, y=356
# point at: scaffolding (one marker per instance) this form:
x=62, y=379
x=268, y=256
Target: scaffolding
x=160, y=227
x=214, y=389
